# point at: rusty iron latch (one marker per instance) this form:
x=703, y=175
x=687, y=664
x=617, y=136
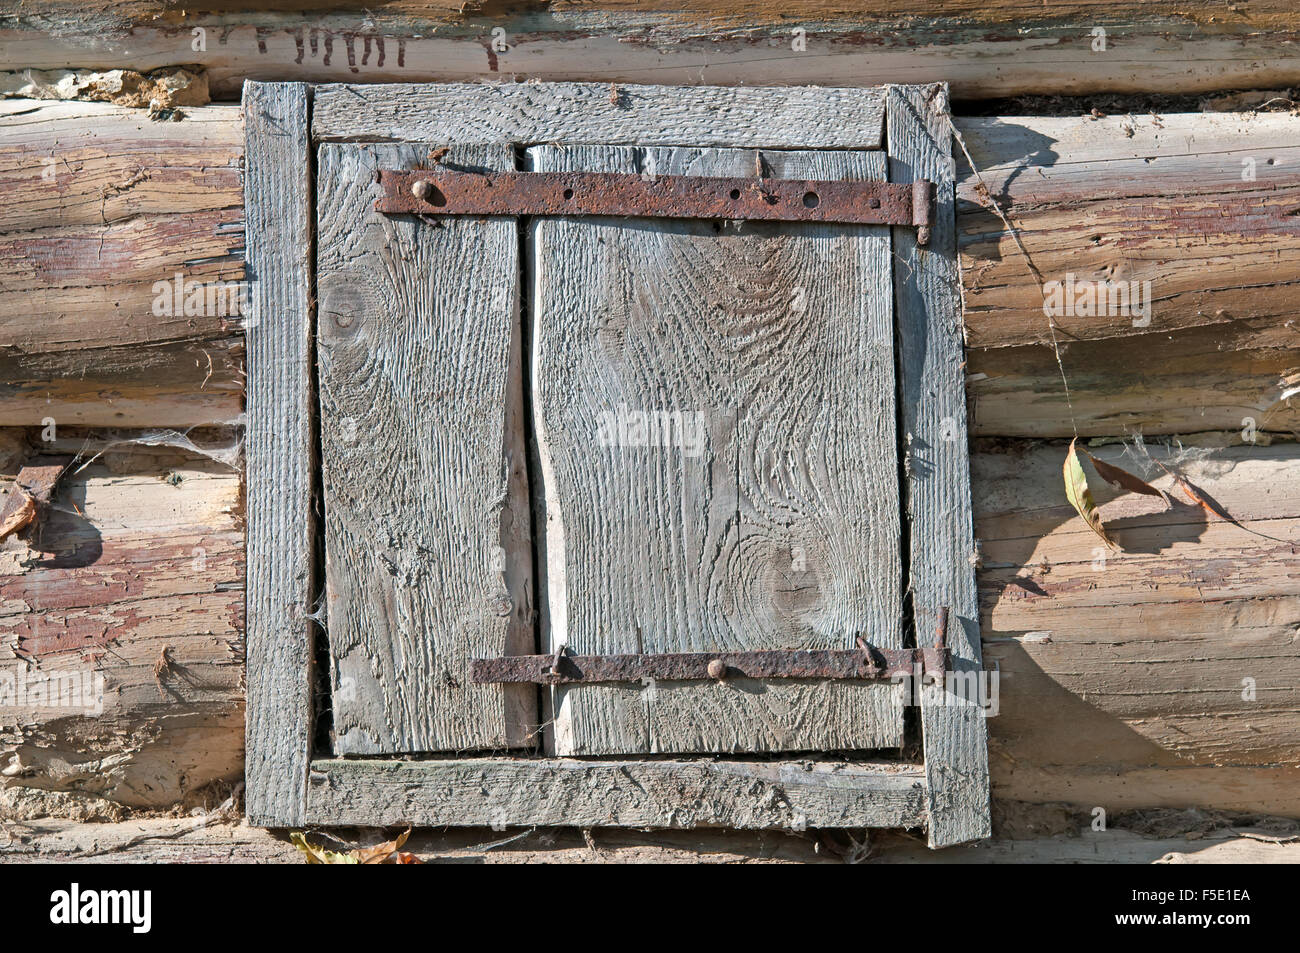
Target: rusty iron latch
x=864, y=663
x=447, y=191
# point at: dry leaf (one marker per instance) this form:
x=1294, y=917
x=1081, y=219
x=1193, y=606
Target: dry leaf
x=1080, y=497
x=21, y=517
x=1202, y=500
x=385, y=853
x=381, y=853
x=319, y=855
x=1125, y=480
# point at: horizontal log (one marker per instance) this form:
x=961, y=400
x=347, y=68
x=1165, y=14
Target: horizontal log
x=102, y=209
x=616, y=793
x=1159, y=199
x=1264, y=789
x=172, y=384
x=1222, y=377
x=105, y=276
x=1132, y=199
x=982, y=53
x=1274, y=13
x=133, y=587
x=87, y=164
x=1141, y=658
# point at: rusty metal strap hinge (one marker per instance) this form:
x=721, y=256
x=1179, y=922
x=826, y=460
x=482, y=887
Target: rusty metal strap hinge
x=447, y=191
x=863, y=663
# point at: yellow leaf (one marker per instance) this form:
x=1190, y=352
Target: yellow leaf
x=319, y=855
x=1080, y=497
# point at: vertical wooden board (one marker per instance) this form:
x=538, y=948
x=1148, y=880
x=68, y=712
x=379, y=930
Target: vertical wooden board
x=756, y=505
x=427, y=537
x=277, y=198
x=932, y=361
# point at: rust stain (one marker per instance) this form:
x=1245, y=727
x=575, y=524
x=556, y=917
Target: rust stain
x=865, y=662
x=448, y=191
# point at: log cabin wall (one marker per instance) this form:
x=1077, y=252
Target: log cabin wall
x=1121, y=678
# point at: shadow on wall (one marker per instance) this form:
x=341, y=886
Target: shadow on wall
x=1121, y=674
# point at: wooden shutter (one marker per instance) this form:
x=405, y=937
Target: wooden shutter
x=473, y=376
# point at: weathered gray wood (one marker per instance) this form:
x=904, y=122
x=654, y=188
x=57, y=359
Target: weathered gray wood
x=588, y=113
x=985, y=50
x=278, y=202
x=565, y=793
x=760, y=511
x=427, y=539
x=942, y=571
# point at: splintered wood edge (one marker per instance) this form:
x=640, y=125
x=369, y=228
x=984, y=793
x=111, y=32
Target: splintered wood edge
x=278, y=478
x=931, y=359
x=562, y=792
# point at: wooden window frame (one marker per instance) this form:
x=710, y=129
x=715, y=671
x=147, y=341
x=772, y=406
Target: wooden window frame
x=286, y=785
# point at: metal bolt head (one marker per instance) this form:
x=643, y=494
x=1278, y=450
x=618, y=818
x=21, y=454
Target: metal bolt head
x=716, y=668
x=422, y=189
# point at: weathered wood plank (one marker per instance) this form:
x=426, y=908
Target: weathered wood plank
x=618, y=793
x=979, y=53
x=99, y=206
x=756, y=506
x=170, y=841
x=1141, y=657
x=138, y=555
x=589, y=113
x=89, y=164
x=427, y=539
x=931, y=361
x=278, y=202
x=1197, y=205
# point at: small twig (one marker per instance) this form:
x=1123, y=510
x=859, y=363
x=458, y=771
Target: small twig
x=162, y=668
x=492, y=845
x=1266, y=838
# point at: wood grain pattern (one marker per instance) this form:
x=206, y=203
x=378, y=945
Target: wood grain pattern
x=621, y=793
x=124, y=564
x=728, y=13
x=759, y=508
x=427, y=539
x=983, y=53
x=278, y=203
x=1139, y=657
x=942, y=573
x=1199, y=206
x=97, y=204
x=587, y=113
